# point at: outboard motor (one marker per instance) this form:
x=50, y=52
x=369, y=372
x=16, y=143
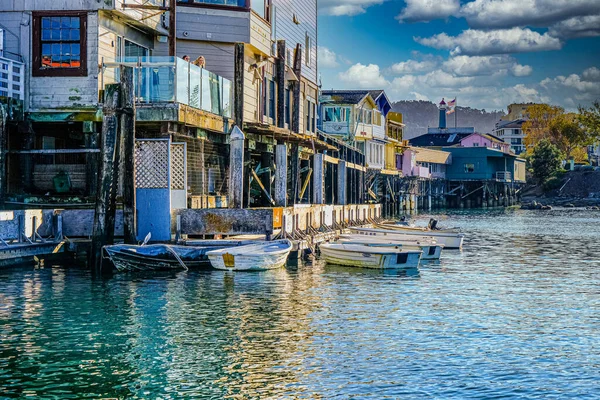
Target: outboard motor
x=432, y=224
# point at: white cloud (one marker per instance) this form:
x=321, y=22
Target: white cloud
x=364, y=76
x=592, y=74
x=485, y=65
x=327, y=58
x=511, y=13
x=587, y=26
x=412, y=66
x=427, y=10
x=346, y=7
x=477, y=42
x=419, y=96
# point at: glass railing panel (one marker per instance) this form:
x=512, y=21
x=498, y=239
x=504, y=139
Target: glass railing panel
x=227, y=97
x=195, y=86
x=182, y=85
x=206, y=103
x=155, y=84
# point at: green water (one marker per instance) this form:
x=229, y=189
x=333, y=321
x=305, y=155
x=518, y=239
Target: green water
x=516, y=314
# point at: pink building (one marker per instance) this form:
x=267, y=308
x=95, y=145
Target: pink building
x=485, y=140
x=423, y=163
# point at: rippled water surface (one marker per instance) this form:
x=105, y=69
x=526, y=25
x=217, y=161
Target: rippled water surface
x=515, y=314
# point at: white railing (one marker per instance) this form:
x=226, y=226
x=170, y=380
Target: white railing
x=12, y=79
x=503, y=176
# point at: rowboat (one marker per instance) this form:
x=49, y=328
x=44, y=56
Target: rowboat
x=430, y=249
x=403, y=228
x=363, y=256
x=450, y=240
x=156, y=257
x=254, y=257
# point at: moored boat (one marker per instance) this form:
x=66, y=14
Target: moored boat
x=431, y=250
x=254, y=257
x=156, y=257
x=363, y=256
x=450, y=240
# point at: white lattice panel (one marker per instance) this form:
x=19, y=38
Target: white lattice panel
x=178, y=179
x=152, y=164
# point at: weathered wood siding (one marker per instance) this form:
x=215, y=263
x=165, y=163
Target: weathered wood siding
x=44, y=93
x=285, y=28
x=212, y=25
x=260, y=34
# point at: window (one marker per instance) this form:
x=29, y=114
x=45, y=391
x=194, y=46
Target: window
x=59, y=44
x=314, y=118
x=336, y=114
x=135, y=50
x=516, y=140
x=287, y=106
x=307, y=49
x=262, y=8
x=469, y=168
x=475, y=144
x=271, y=99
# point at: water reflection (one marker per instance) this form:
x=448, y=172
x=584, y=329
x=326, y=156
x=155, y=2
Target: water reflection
x=515, y=315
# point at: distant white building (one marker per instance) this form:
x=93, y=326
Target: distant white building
x=512, y=132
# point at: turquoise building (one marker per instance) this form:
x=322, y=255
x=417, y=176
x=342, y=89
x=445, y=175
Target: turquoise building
x=484, y=164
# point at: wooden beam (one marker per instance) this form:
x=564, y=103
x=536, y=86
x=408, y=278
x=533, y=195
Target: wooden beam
x=55, y=151
x=296, y=93
x=280, y=78
x=146, y=7
x=294, y=171
x=305, y=184
x=238, y=85
x=262, y=186
x=172, y=28
x=127, y=139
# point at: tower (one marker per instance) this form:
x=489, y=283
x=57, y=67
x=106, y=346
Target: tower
x=442, y=108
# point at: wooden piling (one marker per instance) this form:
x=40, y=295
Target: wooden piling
x=238, y=84
x=104, y=217
x=318, y=182
x=280, y=78
x=127, y=139
x=236, y=168
x=3, y=144
x=294, y=172
x=281, y=175
x=342, y=197
x=296, y=89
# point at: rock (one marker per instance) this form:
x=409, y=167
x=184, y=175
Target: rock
x=595, y=208
x=546, y=208
x=569, y=205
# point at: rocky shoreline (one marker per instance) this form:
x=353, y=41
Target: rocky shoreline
x=548, y=203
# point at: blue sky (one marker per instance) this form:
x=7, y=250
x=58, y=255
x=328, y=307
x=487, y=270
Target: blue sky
x=487, y=53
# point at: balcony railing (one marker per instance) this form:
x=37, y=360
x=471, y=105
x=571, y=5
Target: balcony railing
x=173, y=80
x=503, y=176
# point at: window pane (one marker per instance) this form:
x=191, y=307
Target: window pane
x=75, y=22
x=45, y=23
x=75, y=34
x=259, y=7
x=55, y=23
x=65, y=22
x=46, y=34
x=75, y=49
x=55, y=34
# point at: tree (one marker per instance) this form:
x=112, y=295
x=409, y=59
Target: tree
x=545, y=160
x=567, y=133
x=590, y=119
x=537, y=127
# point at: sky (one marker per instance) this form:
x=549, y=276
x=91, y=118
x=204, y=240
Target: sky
x=486, y=53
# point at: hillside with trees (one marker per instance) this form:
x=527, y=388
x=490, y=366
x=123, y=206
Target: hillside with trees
x=419, y=115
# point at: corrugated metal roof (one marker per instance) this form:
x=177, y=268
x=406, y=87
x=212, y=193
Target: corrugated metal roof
x=345, y=96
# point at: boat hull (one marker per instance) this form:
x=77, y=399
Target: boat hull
x=431, y=251
x=155, y=257
x=449, y=240
x=252, y=258
x=369, y=259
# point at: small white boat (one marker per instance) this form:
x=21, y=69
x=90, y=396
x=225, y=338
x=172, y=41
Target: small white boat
x=430, y=249
x=253, y=257
x=450, y=240
x=362, y=256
